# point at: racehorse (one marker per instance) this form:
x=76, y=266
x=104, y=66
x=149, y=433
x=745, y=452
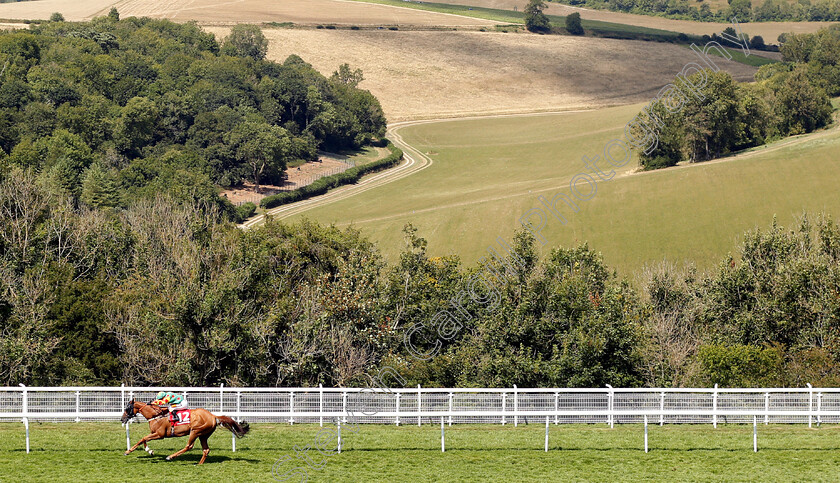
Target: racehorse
x=202, y=424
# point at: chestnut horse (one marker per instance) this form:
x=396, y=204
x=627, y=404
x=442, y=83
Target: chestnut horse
x=202, y=424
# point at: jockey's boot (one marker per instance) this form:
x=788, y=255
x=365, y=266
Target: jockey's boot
x=175, y=416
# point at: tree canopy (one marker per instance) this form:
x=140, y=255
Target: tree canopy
x=151, y=105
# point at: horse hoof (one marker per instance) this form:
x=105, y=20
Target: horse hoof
x=126, y=453
x=151, y=452
x=168, y=458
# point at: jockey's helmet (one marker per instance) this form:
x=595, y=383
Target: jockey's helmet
x=160, y=395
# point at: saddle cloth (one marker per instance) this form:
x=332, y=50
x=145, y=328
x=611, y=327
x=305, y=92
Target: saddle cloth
x=184, y=415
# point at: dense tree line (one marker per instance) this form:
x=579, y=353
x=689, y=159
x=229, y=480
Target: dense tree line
x=744, y=10
x=111, y=111
x=166, y=292
x=788, y=98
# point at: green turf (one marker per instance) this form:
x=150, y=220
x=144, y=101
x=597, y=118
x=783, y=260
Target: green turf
x=93, y=452
x=488, y=172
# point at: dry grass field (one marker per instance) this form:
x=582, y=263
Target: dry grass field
x=422, y=74
x=221, y=11
x=769, y=30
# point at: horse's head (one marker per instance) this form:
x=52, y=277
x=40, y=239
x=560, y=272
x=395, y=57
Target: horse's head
x=129, y=413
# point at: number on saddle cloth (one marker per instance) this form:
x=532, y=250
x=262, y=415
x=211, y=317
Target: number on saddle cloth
x=183, y=415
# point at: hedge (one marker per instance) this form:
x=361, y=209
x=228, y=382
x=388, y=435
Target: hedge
x=322, y=185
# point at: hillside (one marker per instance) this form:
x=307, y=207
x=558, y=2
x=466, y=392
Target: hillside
x=256, y=11
x=487, y=172
x=447, y=74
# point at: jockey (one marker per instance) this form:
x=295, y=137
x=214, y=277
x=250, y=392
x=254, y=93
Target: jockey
x=175, y=402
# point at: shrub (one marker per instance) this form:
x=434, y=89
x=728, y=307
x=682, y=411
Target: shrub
x=245, y=211
x=322, y=185
x=573, y=25
x=56, y=17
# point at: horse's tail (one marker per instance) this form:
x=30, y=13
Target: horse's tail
x=239, y=430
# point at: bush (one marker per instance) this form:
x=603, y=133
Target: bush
x=322, y=185
x=757, y=43
x=56, y=17
x=573, y=25
x=245, y=211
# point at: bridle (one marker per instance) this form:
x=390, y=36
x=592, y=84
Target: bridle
x=159, y=413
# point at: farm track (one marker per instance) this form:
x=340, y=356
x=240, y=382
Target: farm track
x=416, y=161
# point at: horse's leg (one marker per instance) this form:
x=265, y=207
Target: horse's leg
x=142, y=441
x=189, y=446
x=146, y=446
x=205, y=448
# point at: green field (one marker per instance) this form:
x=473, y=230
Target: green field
x=93, y=452
x=488, y=172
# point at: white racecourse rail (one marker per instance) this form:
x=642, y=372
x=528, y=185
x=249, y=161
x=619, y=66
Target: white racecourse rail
x=432, y=405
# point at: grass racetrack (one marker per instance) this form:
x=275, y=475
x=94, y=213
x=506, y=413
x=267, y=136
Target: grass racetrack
x=93, y=452
x=486, y=173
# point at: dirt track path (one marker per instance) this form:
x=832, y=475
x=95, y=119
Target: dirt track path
x=416, y=161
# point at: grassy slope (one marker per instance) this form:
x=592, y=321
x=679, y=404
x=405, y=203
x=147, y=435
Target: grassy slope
x=93, y=452
x=510, y=16
x=488, y=172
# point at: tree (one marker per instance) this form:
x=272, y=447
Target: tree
x=246, y=41
x=573, y=25
x=114, y=14
x=757, y=43
x=535, y=19
x=99, y=187
x=263, y=147
x=348, y=77
x=803, y=107
x=56, y=17
x=137, y=123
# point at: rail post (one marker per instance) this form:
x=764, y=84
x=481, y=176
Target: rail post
x=128, y=431
x=321, y=404
x=25, y=418
x=418, y=405
x=546, y=434
x=504, y=407
x=646, y=433
x=238, y=418
x=714, y=407
x=755, y=434
x=398, y=409
x=515, y=406
x=291, y=408
x=344, y=404
x=78, y=408
x=442, y=441
x=339, y=435
x=610, y=406
x=819, y=409
x=662, y=408
x=222, y=397
x=451, y=397
x=766, y=408
x=810, y=404
x=556, y=406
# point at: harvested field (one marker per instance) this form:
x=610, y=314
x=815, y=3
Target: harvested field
x=769, y=30
x=445, y=74
x=220, y=11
